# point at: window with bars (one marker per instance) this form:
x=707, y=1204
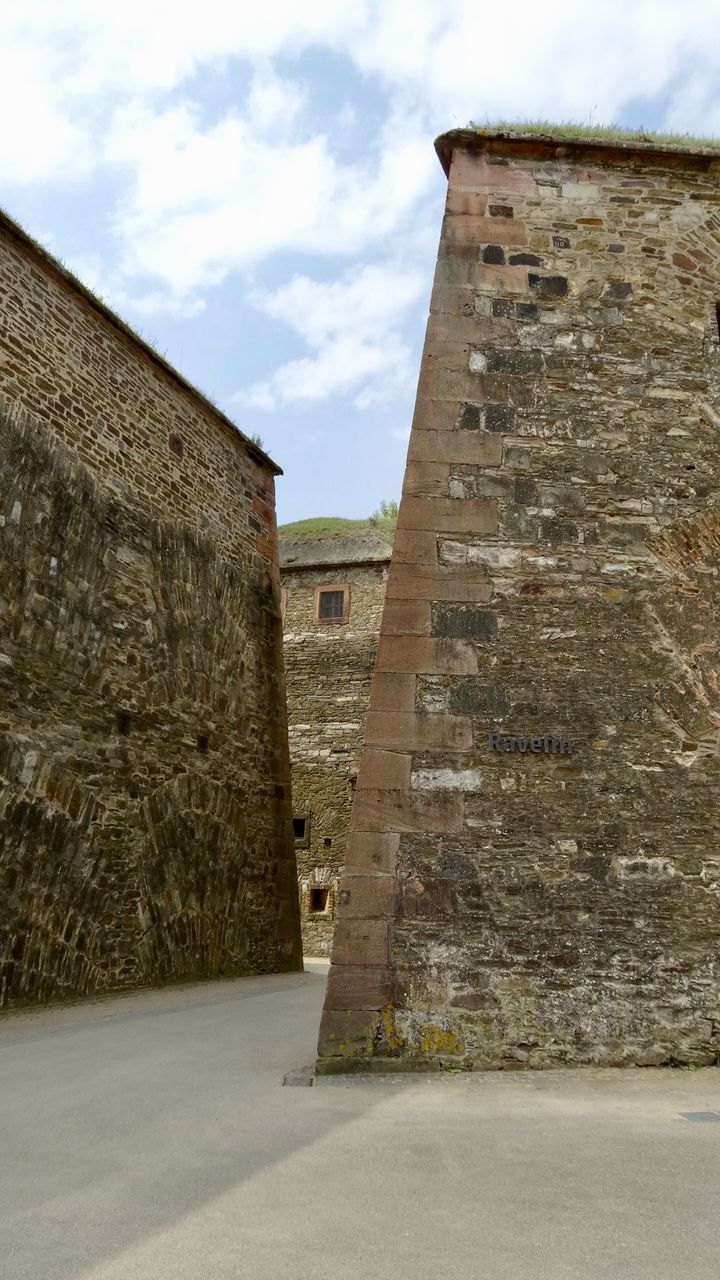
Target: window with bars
x=332, y=603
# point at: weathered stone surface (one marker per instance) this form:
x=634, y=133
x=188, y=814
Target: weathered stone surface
x=329, y=670
x=144, y=788
x=557, y=906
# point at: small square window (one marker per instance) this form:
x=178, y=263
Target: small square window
x=176, y=444
x=332, y=603
x=301, y=831
x=319, y=900
x=202, y=743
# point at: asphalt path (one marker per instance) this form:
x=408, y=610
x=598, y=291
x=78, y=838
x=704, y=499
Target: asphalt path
x=149, y=1137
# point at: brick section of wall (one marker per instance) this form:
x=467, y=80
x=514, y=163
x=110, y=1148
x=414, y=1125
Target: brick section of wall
x=556, y=562
x=144, y=773
x=329, y=672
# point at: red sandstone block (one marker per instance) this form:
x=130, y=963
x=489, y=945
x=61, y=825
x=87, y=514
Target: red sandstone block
x=502, y=279
x=455, y=300
x=447, y=582
x=451, y=515
x=415, y=545
x=383, y=769
x=445, y=327
x=481, y=449
x=368, y=897
x=455, y=270
x=346, y=1033
x=437, y=811
x=392, y=691
x=371, y=852
x=361, y=942
x=470, y=204
x=427, y=479
x=267, y=548
x=440, y=383
x=406, y=617
x=470, y=169
x=393, y=731
x=506, y=231
x=447, y=354
x=351, y=987
x=264, y=510
x=432, y=655
x=436, y=415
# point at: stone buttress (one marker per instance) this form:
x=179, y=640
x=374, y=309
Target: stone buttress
x=554, y=579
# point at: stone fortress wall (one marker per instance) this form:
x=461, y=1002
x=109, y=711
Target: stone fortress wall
x=554, y=575
x=145, y=818
x=329, y=668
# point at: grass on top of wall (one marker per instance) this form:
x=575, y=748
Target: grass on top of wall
x=594, y=132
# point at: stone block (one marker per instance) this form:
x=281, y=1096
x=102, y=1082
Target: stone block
x=464, y=622
x=445, y=582
x=367, y=896
x=449, y=515
x=406, y=617
x=413, y=545
x=472, y=447
x=353, y=987
x=501, y=231
x=431, y=812
x=345, y=1035
x=383, y=769
x=361, y=942
x=472, y=170
x=408, y=653
x=371, y=852
x=393, y=691
x=435, y=415
x=405, y=732
x=426, y=479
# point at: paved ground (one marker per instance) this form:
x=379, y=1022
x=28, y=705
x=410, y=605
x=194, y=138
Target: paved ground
x=149, y=1138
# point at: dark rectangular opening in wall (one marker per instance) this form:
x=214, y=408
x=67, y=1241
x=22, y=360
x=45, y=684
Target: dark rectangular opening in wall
x=301, y=830
x=202, y=743
x=327, y=842
x=318, y=900
x=123, y=722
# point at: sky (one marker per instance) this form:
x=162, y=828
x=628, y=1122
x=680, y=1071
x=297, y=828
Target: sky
x=254, y=187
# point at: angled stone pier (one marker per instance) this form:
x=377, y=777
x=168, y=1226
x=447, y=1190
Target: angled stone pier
x=554, y=577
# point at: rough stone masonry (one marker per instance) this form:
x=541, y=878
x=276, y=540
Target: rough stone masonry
x=329, y=667
x=145, y=819
x=555, y=572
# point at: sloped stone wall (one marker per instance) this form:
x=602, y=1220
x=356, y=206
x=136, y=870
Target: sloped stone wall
x=145, y=817
x=554, y=575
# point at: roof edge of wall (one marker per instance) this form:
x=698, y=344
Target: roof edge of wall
x=562, y=146
x=18, y=234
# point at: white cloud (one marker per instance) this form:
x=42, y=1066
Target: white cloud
x=91, y=86
x=353, y=326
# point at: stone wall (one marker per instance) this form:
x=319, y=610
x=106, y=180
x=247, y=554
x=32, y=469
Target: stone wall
x=145, y=829
x=554, y=575
x=329, y=672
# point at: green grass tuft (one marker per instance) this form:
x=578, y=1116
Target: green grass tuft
x=597, y=132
